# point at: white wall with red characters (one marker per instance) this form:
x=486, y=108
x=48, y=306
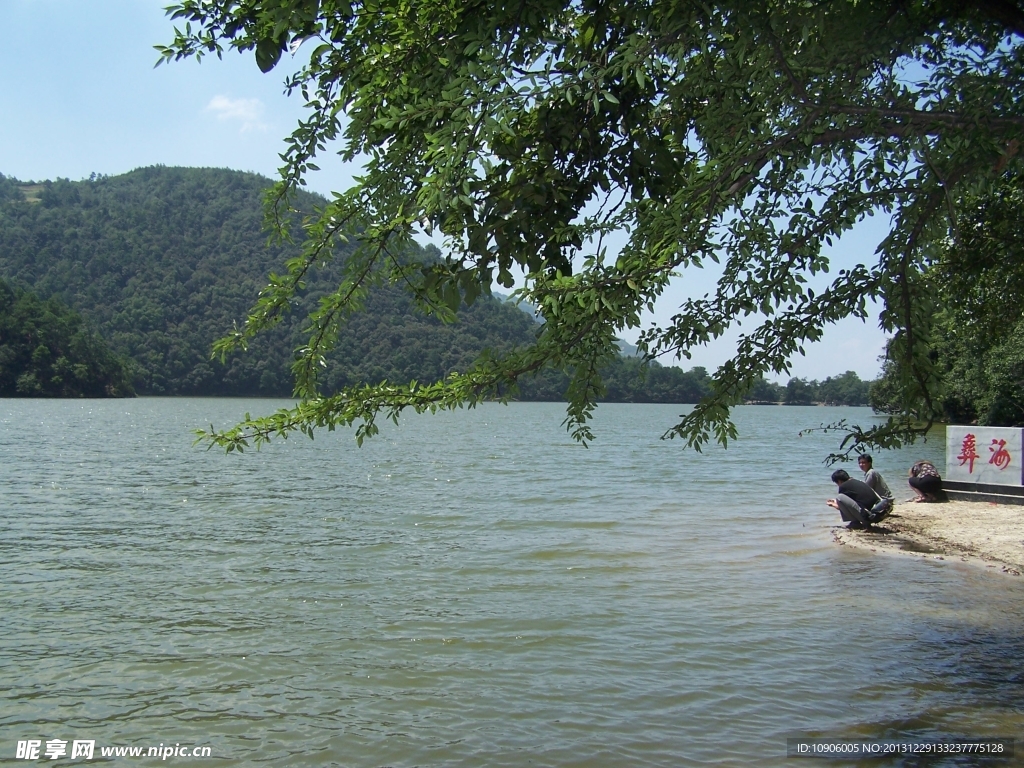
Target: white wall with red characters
x=987, y=455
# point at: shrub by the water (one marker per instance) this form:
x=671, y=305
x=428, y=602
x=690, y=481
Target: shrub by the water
x=46, y=350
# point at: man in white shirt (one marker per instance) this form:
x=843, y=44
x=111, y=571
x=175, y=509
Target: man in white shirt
x=873, y=479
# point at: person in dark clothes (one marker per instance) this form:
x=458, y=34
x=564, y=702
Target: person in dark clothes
x=926, y=482
x=854, y=500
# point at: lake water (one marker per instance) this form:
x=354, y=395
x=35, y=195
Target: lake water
x=472, y=589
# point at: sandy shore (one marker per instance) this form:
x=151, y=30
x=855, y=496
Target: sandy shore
x=987, y=535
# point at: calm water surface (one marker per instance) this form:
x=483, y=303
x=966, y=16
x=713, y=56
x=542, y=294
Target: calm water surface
x=472, y=589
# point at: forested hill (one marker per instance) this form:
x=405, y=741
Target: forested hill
x=163, y=260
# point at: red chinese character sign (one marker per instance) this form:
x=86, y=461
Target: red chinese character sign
x=987, y=455
x=969, y=451
x=1000, y=456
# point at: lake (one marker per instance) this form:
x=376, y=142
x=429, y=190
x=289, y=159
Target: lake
x=473, y=588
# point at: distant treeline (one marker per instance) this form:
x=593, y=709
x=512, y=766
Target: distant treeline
x=847, y=389
x=629, y=380
x=162, y=261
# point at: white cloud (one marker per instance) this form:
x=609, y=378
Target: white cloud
x=249, y=112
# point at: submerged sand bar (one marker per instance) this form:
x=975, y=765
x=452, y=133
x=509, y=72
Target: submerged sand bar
x=985, y=534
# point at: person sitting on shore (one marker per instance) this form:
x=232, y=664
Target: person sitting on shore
x=926, y=482
x=854, y=500
x=874, y=480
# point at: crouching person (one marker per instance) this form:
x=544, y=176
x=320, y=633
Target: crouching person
x=856, y=501
x=874, y=480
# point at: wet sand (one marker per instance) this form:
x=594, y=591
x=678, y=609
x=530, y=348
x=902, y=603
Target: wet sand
x=981, y=533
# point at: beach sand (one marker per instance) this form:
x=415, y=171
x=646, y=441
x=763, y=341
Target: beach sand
x=981, y=533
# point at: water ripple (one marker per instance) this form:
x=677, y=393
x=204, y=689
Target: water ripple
x=470, y=588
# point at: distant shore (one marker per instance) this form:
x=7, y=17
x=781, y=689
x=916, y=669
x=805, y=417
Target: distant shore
x=983, y=534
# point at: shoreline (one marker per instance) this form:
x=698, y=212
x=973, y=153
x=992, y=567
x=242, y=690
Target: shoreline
x=984, y=534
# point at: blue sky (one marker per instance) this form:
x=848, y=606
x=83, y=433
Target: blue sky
x=79, y=94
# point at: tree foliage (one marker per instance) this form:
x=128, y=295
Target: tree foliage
x=46, y=350
x=977, y=335
x=527, y=133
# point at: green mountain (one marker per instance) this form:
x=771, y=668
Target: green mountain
x=163, y=260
